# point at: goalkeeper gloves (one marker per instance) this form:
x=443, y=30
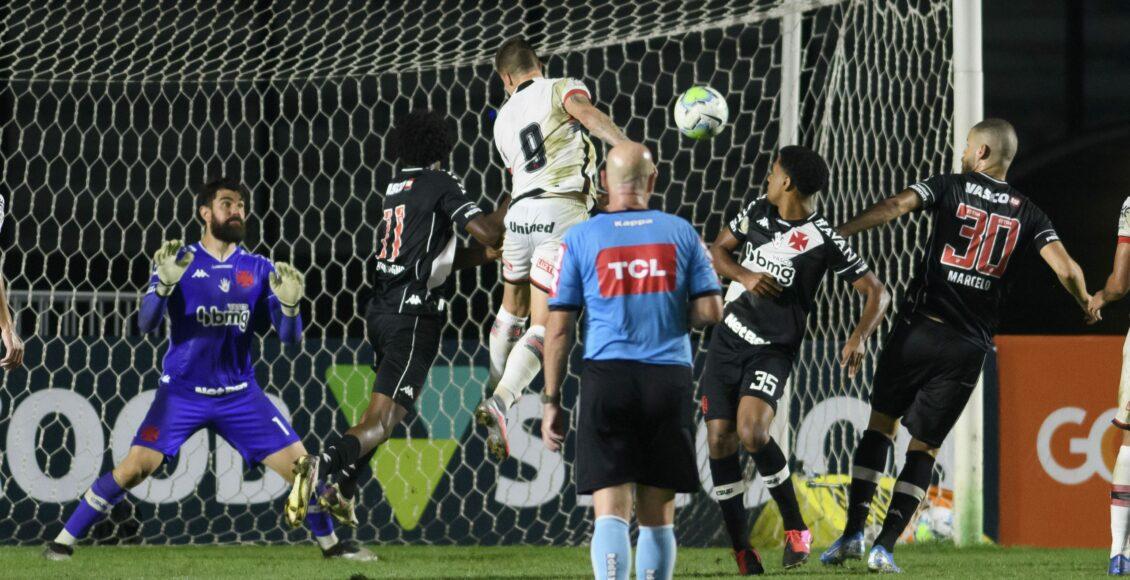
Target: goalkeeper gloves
x=169, y=268
x=289, y=286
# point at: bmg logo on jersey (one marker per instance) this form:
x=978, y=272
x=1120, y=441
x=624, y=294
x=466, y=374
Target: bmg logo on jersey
x=782, y=270
x=642, y=269
x=236, y=315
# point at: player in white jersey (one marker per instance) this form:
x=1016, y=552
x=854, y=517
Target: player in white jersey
x=542, y=134
x=1117, y=286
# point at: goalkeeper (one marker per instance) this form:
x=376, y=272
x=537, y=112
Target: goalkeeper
x=215, y=293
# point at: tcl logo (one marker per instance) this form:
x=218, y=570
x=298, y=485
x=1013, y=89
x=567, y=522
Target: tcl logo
x=1085, y=454
x=643, y=269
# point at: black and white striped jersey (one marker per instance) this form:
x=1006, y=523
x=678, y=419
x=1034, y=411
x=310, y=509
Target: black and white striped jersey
x=979, y=224
x=797, y=254
x=416, y=241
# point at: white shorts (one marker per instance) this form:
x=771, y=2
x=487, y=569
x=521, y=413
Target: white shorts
x=1122, y=417
x=534, y=229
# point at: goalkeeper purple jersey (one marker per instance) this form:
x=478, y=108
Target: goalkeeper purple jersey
x=213, y=313
x=635, y=273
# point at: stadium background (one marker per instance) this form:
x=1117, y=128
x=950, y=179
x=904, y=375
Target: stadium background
x=62, y=141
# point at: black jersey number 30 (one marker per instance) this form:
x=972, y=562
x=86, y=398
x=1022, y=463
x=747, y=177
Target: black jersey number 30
x=533, y=147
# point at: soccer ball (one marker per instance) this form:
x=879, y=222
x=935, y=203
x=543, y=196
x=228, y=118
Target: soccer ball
x=701, y=112
x=935, y=524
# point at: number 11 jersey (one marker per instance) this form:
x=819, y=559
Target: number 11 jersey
x=980, y=223
x=416, y=241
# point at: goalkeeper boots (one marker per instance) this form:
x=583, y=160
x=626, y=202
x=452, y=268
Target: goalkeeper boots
x=798, y=544
x=349, y=550
x=882, y=561
x=843, y=549
x=749, y=562
x=58, y=552
x=305, y=482
x=340, y=508
x=491, y=414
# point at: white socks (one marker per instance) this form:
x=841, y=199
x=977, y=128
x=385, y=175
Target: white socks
x=65, y=538
x=504, y=334
x=1120, y=503
x=522, y=366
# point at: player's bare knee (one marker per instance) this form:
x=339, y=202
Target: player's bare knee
x=883, y=423
x=1126, y=437
x=135, y=468
x=754, y=436
x=721, y=442
x=922, y=446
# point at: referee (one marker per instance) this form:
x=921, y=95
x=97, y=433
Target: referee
x=644, y=278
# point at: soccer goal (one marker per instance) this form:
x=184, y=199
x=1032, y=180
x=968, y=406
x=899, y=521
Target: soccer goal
x=111, y=115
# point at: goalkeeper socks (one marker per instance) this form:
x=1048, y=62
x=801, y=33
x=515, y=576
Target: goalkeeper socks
x=774, y=470
x=340, y=454
x=868, y=464
x=1120, y=502
x=504, y=334
x=522, y=366
x=347, y=485
x=728, y=492
x=611, y=549
x=655, y=553
x=910, y=490
x=96, y=504
x=320, y=523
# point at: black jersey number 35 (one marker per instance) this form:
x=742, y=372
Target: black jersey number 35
x=533, y=147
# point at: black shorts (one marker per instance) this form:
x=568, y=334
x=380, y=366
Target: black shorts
x=404, y=348
x=925, y=375
x=635, y=424
x=736, y=369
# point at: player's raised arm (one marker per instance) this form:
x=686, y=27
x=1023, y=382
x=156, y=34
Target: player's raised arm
x=167, y=272
x=1070, y=276
x=13, y=346
x=882, y=212
x=722, y=251
x=287, y=288
x=599, y=124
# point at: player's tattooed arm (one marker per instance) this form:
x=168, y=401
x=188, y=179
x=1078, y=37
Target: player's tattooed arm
x=722, y=252
x=599, y=124
x=874, y=309
x=1070, y=276
x=559, y=329
x=882, y=212
x=1117, y=284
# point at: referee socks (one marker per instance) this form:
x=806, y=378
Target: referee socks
x=611, y=549
x=655, y=553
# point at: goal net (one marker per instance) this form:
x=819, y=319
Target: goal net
x=110, y=117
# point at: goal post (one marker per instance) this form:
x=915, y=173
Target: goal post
x=111, y=115
x=969, y=433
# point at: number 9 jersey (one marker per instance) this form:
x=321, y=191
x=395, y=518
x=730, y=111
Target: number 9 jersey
x=548, y=152
x=979, y=224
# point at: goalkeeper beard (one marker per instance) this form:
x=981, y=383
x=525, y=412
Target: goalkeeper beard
x=231, y=231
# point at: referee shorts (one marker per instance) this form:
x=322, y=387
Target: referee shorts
x=635, y=425
x=404, y=348
x=925, y=375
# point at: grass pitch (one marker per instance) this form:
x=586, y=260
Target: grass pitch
x=305, y=562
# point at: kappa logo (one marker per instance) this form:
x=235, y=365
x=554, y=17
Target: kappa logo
x=414, y=300
x=199, y=273
x=225, y=285
x=408, y=390
x=763, y=222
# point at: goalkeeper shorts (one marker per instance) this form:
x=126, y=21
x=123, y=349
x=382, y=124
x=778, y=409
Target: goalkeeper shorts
x=635, y=424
